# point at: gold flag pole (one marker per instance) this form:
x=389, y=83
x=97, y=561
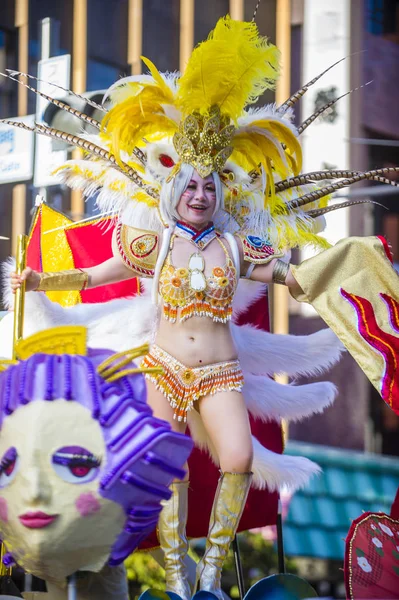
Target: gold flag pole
x=3, y=570
x=18, y=332
x=20, y=293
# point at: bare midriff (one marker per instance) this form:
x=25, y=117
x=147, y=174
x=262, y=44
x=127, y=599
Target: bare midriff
x=196, y=342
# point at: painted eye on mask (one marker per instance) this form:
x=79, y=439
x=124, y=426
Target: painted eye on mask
x=74, y=464
x=8, y=467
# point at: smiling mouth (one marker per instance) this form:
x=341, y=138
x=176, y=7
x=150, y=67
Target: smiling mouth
x=198, y=207
x=36, y=520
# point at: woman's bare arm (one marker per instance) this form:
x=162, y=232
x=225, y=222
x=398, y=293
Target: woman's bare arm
x=264, y=273
x=110, y=271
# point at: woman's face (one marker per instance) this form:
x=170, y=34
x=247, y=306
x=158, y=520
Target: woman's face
x=197, y=204
x=52, y=518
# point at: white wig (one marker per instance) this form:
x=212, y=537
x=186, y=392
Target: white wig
x=172, y=191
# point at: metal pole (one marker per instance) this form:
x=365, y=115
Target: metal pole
x=72, y=591
x=238, y=565
x=19, y=190
x=28, y=582
x=279, y=521
x=280, y=539
x=186, y=31
x=283, y=42
x=135, y=35
x=20, y=294
x=79, y=76
x=49, y=34
x=22, y=23
x=236, y=9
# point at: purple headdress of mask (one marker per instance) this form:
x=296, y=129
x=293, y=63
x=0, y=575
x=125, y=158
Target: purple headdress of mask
x=143, y=455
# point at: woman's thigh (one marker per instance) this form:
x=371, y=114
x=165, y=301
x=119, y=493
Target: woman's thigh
x=162, y=409
x=226, y=421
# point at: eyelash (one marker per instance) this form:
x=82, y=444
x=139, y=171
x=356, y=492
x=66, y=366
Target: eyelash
x=194, y=187
x=5, y=464
x=77, y=461
x=8, y=459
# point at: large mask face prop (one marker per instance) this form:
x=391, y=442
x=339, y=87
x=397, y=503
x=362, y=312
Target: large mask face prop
x=83, y=464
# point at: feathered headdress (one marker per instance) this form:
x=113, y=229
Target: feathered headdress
x=155, y=122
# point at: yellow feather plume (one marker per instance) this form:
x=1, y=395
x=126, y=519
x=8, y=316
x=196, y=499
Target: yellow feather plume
x=138, y=112
x=299, y=236
x=232, y=68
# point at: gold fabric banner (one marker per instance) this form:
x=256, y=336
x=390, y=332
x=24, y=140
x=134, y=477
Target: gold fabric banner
x=355, y=290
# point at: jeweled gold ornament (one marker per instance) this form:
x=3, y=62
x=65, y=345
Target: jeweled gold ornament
x=204, y=141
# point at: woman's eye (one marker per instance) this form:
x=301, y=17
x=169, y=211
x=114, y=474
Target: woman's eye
x=75, y=466
x=8, y=467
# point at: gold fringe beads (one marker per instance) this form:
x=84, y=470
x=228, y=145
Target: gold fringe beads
x=183, y=386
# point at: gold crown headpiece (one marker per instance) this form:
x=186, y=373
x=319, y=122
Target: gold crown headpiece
x=203, y=141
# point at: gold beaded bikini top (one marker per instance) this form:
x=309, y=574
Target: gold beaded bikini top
x=195, y=293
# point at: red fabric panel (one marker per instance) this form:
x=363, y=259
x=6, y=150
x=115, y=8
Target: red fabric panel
x=91, y=245
x=395, y=507
x=33, y=256
x=386, y=247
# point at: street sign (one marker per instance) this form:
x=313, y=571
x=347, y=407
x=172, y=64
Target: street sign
x=55, y=70
x=16, y=151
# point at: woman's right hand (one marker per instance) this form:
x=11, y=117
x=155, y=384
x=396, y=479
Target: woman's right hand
x=31, y=277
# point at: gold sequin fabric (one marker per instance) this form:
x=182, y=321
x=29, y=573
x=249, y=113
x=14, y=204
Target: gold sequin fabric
x=215, y=301
x=183, y=386
x=73, y=279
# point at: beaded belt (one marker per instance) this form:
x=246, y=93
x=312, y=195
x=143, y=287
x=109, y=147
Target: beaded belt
x=182, y=385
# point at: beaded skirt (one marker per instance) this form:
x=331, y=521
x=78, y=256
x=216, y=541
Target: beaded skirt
x=183, y=386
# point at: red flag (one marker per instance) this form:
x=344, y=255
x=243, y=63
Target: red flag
x=75, y=246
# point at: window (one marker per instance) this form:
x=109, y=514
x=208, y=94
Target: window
x=107, y=37
x=161, y=33
x=382, y=16
x=207, y=14
x=8, y=59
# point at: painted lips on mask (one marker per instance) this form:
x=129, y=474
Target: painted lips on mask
x=37, y=519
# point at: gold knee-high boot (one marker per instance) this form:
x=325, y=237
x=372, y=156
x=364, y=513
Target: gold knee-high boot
x=228, y=505
x=173, y=540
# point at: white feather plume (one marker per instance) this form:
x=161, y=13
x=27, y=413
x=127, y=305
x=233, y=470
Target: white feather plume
x=266, y=353
x=268, y=400
x=267, y=112
x=275, y=471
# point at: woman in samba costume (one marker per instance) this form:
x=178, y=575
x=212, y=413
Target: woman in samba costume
x=206, y=191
